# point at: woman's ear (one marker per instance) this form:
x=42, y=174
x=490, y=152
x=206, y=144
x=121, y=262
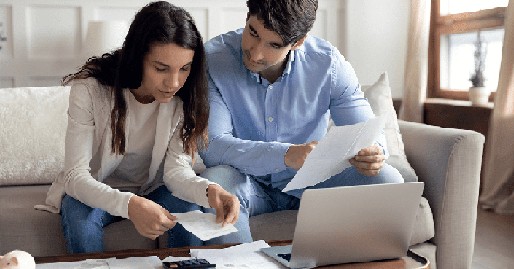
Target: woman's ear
x=298, y=43
x=14, y=261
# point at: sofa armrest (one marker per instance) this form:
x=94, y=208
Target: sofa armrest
x=448, y=161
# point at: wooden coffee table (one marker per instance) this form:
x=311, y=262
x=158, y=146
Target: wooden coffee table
x=412, y=261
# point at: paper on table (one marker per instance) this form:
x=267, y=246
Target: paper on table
x=333, y=152
x=111, y=263
x=203, y=225
x=246, y=256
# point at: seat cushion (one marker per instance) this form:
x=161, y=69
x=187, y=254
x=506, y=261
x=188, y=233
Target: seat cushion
x=40, y=233
x=274, y=226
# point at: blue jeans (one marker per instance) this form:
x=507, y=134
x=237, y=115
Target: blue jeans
x=257, y=198
x=83, y=225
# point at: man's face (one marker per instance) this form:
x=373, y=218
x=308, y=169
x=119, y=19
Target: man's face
x=263, y=49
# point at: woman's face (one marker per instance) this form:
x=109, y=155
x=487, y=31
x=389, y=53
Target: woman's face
x=165, y=70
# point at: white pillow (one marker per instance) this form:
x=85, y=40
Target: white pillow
x=381, y=101
x=33, y=123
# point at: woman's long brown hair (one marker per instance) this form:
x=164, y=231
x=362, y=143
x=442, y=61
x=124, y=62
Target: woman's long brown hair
x=120, y=70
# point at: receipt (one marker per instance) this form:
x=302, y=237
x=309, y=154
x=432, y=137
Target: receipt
x=203, y=225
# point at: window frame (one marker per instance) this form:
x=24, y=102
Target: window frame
x=454, y=24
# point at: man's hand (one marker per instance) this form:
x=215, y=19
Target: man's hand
x=149, y=218
x=369, y=160
x=296, y=154
x=225, y=204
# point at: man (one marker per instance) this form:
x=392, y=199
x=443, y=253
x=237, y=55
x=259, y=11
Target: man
x=272, y=91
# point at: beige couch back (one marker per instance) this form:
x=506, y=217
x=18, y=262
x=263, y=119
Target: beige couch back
x=33, y=124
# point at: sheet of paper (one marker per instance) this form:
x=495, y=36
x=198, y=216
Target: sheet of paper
x=333, y=152
x=203, y=225
x=89, y=264
x=245, y=256
x=152, y=262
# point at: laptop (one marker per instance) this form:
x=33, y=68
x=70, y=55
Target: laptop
x=351, y=224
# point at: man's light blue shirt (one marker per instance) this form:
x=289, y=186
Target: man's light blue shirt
x=252, y=123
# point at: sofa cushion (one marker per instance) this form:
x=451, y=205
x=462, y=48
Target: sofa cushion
x=380, y=99
x=40, y=233
x=32, y=129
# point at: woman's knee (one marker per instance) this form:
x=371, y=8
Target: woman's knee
x=82, y=226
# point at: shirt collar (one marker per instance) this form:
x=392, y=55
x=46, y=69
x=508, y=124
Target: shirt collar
x=287, y=70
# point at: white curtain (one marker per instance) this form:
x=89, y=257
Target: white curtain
x=415, y=75
x=498, y=182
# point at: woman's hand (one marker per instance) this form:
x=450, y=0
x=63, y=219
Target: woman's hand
x=369, y=160
x=226, y=204
x=149, y=218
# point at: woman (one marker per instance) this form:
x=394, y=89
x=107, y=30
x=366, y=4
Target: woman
x=136, y=118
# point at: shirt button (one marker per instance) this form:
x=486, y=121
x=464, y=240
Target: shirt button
x=270, y=119
x=270, y=87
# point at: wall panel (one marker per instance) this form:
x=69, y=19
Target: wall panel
x=6, y=82
x=44, y=38
x=6, y=51
x=53, y=32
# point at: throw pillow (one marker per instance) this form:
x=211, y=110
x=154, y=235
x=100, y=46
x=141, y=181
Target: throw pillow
x=381, y=101
x=32, y=130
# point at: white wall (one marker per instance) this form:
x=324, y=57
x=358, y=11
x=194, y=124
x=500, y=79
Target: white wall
x=376, y=39
x=44, y=38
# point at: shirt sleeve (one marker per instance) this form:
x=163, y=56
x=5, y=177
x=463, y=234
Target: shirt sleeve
x=179, y=176
x=256, y=158
x=79, y=183
x=347, y=102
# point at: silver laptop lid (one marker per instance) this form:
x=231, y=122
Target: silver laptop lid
x=354, y=224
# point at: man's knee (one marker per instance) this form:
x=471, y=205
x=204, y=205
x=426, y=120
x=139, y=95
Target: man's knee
x=231, y=180
x=389, y=174
x=226, y=176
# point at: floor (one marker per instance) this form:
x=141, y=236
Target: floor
x=494, y=241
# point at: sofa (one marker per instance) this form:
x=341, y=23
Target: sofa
x=33, y=123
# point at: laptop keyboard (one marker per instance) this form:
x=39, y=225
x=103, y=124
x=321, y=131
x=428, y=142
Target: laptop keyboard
x=286, y=256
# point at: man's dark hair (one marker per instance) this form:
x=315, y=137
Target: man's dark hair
x=290, y=19
x=156, y=23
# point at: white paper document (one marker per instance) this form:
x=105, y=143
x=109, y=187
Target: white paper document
x=203, y=225
x=112, y=263
x=246, y=256
x=333, y=152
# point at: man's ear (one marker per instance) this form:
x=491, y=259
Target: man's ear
x=299, y=43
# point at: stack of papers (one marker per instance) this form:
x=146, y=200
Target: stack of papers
x=111, y=263
x=246, y=256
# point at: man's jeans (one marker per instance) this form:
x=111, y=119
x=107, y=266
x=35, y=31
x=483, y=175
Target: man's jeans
x=257, y=198
x=83, y=225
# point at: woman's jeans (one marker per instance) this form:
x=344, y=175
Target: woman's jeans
x=257, y=198
x=83, y=225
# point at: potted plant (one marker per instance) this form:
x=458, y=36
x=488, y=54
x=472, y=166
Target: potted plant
x=478, y=93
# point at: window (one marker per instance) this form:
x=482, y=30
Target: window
x=456, y=26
